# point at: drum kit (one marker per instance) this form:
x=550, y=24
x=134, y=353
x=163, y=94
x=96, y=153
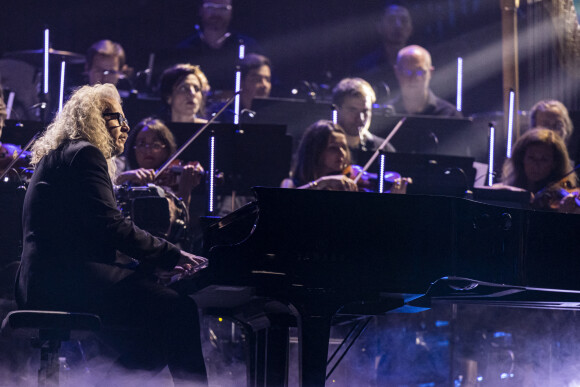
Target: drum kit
x=22, y=77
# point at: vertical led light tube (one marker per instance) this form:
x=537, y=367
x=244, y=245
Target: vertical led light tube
x=61, y=88
x=491, y=155
x=241, y=55
x=459, y=84
x=211, y=173
x=46, y=52
x=9, y=104
x=334, y=114
x=382, y=174
x=510, y=131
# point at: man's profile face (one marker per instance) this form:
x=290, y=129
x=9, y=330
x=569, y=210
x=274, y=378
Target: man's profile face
x=396, y=25
x=117, y=127
x=104, y=69
x=216, y=14
x=354, y=115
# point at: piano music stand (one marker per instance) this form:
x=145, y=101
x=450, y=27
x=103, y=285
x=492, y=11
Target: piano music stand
x=249, y=155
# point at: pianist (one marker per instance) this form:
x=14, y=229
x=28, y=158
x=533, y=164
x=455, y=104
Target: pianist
x=72, y=230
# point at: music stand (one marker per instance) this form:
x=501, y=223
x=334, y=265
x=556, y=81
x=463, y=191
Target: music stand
x=433, y=174
x=297, y=114
x=19, y=132
x=434, y=135
x=249, y=155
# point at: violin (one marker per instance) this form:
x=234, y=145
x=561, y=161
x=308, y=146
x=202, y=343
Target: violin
x=172, y=175
x=368, y=182
x=551, y=199
x=13, y=159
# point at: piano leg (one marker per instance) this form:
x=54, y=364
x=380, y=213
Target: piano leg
x=313, y=337
x=272, y=356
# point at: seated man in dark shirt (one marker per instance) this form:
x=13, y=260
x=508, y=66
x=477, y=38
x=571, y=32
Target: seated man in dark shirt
x=354, y=99
x=413, y=71
x=214, y=47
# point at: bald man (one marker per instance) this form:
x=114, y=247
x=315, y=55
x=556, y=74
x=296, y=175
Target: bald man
x=413, y=71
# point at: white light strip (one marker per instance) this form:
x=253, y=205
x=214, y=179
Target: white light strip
x=46, y=50
x=510, y=125
x=211, y=172
x=382, y=174
x=61, y=90
x=242, y=52
x=334, y=116
x=241, y=55
x=237, y=100
x=491, y=155
x=459, y=83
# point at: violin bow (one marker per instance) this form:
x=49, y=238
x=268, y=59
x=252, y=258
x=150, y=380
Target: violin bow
x=380, y=149
x=196, y=135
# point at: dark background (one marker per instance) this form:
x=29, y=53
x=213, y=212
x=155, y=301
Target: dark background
x=313, y=40
x=317, y=41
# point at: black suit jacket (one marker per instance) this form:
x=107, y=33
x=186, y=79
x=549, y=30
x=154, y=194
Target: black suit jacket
x=72, y=230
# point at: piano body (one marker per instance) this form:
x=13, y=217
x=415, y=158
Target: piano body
x=303, y=257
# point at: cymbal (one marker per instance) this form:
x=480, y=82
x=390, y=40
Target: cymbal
x=35, y=57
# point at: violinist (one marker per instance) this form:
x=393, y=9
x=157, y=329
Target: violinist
x=151, y=144
x=184, y=89
x=321, y=157
x=539, y=160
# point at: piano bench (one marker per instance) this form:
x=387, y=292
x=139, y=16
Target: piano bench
x=47, y=330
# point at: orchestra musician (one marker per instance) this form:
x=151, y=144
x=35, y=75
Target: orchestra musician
x=72, y=230
x=148, y=148
x=184, y=89
x=540, y=161
x=105, y=62
x=414, y=70
x=553, y=115
x=214, y=46
x=320, y=159
x=354, y=99
x=395, y=27
x=256, y=76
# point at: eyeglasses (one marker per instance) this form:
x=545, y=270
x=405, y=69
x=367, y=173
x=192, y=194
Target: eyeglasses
x=155, y=146
x=217, y=7
x=411, y=73
x=119, y=117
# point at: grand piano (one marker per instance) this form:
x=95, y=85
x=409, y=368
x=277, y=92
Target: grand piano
x=305, y=258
